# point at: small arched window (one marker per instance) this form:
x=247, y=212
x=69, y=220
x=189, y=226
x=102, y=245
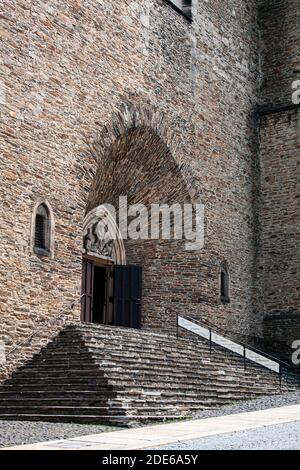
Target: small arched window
x=42, y=233
x=224, y=283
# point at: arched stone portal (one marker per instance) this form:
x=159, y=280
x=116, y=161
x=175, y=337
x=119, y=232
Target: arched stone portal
x=103, y=254
x=102, y=238
x=134, y=159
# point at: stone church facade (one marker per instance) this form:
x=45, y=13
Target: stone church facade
x=161, y=101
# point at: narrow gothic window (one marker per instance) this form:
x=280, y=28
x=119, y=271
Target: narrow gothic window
x=42, y=231
x=40, y=223
x=224, y=284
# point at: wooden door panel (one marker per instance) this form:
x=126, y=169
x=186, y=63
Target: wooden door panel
x=128, y=295
x=109, y=297
x=87, y=291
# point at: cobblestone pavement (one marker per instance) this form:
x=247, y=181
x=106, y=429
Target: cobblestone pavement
x=280, y=437
x=28, y=432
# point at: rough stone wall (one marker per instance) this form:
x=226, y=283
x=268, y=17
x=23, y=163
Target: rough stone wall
x=66, y=69
x=280, y=226
x=226, y=165
x=280, y=51
x=280, y=211
x=280, y=171
x=280, y=332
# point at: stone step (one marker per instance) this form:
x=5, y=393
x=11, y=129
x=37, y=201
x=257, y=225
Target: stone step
x=135, y=362
x=182, y=356
x=43, y=409
x=68, y=388
x=54, y=394
x=113, y=420
x=179, y=394
x=133, y=407
x=62, y=401
x=144, y=381
x=136, y=368
x=127, y=372
x=54, y=387
x=124, y=391
x=122, y=343
x=204, y=389
x=118, y=420
x=123, y=398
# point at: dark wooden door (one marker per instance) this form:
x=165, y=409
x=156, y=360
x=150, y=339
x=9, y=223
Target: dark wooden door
x=87, y=291
x=127, y=296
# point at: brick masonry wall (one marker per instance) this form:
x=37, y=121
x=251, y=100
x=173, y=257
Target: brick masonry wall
x=67, y=67
x=280, y=171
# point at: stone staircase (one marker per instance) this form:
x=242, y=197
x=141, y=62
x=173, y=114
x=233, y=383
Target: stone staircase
x=110, y=375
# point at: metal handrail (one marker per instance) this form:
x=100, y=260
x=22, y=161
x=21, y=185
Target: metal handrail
x=225, y=332
x=244, y=345
x=213, y=325
x=28, y=340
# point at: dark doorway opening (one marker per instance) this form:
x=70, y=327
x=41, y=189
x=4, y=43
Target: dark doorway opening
x=99, y=295
x=111, y=295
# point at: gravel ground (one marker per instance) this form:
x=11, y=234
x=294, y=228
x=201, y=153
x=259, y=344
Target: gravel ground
x=27, y=432
x=280, y=437
x=264, y=403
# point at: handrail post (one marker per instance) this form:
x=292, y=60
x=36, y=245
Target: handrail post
x=210, y=341
x=244, y=357
x=177, y=326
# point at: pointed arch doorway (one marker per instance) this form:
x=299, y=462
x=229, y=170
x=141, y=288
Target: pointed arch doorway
x=111, y=289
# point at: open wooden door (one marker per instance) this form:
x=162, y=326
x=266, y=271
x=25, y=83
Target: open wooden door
x=127, y=296
x=121, y=290
x=87, y=291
